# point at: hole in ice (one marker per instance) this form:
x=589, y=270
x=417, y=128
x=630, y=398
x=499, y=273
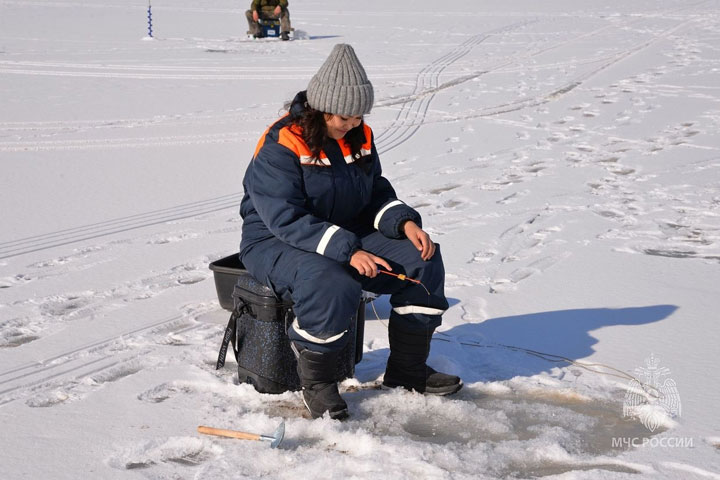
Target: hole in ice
x=557, y=430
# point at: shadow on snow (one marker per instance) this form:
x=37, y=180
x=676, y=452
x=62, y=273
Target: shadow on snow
x=496, y=349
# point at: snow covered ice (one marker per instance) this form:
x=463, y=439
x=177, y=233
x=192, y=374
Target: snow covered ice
x=565, y=154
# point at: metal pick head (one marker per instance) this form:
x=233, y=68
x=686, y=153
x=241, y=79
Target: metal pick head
x=277, y=437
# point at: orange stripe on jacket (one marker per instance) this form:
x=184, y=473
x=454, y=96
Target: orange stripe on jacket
x=291, y=138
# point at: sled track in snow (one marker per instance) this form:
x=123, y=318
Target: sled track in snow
x=146, y=76
x=415, y=106
x=119, y=225
x=68, y=366
x=107, y=143
x=411, y=115
x=191, y=119
x=161, y=72
x=556, y=93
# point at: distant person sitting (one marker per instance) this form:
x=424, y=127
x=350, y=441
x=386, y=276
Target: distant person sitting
x=268, y=10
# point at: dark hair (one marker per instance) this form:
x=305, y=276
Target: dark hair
x=314, y=132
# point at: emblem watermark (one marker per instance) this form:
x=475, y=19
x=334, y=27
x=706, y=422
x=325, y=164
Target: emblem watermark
x=652, y=401
x=652, y=398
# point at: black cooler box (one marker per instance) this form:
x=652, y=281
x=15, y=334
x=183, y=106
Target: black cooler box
x=258, y=331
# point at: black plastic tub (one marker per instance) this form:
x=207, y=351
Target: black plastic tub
x=226, y=272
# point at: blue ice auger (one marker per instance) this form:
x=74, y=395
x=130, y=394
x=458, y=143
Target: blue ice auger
x=149, y=19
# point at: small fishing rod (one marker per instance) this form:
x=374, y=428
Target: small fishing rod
x=403, y=277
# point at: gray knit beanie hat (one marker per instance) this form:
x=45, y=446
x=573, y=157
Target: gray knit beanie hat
x=341, y=86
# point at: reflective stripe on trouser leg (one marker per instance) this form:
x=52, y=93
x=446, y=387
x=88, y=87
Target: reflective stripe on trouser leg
x=417, y=309
x=303, y=339
x=310, y=338
x=416, y=318
x=326, y=298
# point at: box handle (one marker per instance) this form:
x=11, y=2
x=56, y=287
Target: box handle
x=230, y=332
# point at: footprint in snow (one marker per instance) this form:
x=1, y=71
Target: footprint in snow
x=188, y=451
x=19, y=279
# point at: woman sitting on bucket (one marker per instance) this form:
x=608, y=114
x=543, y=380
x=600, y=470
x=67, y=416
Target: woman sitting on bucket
x=320, y=220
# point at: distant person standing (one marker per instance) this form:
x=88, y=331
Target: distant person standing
x=269, y=10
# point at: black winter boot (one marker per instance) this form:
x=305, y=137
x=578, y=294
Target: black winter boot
x=319, y=387
x=406, y=366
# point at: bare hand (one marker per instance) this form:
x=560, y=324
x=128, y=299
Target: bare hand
x=278, y=10
x=420, y=239
x=367, y=264
x=256, y=17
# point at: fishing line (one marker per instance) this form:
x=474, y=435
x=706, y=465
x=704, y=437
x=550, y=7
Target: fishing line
x=549, y=357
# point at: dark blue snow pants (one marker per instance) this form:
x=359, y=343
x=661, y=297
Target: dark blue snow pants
x=326, y=294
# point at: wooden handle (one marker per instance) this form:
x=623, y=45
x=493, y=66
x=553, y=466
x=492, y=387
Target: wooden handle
x=221, y=432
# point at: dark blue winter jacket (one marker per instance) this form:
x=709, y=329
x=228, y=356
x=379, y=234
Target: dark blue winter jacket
x=321, y=205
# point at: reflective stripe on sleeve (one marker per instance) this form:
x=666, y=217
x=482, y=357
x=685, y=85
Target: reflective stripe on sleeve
x=363, y=152
x=310, y=338
x=310, y=160
x=325, y=240
x=383, y=210
x=417, y=309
